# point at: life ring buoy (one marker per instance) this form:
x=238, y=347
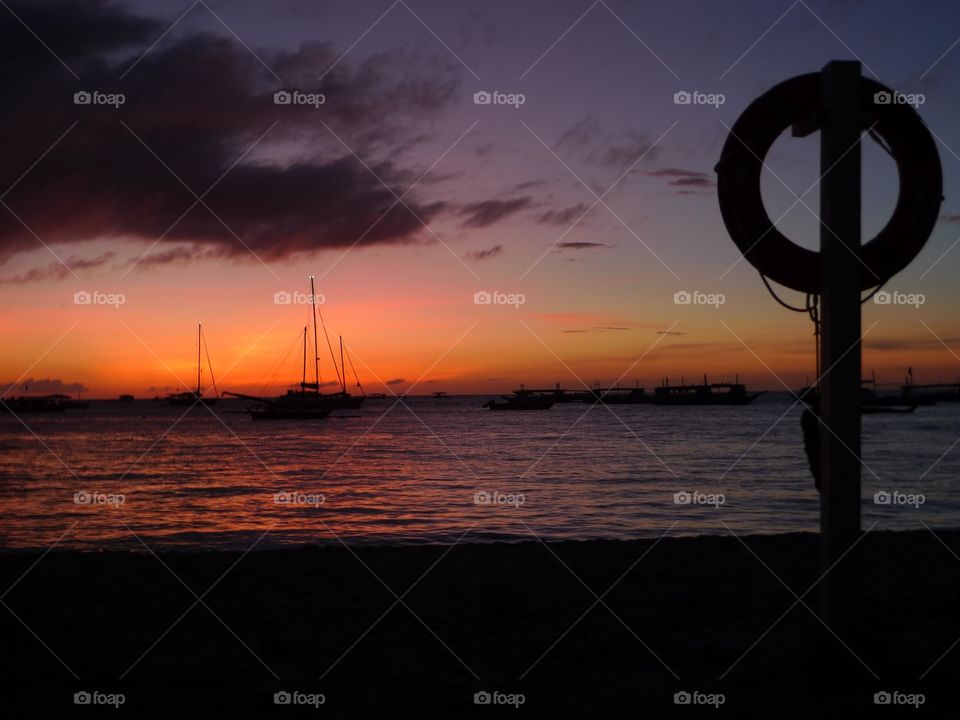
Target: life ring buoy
x=775, y=255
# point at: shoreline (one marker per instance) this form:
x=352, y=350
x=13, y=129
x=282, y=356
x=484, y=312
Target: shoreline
x=690, y=614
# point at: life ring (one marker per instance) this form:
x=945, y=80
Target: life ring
x=775, y=255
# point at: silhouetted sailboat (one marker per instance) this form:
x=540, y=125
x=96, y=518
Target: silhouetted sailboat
x=307, y=402
x=195, y=397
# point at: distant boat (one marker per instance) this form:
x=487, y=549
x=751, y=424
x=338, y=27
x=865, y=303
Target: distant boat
x=523, y=399
x=68, y=402
x=31, y=403
x=126, y=398
x=377, y=396
x=195, y=397
x=872, y=402
x=307, y=402
x=704, y=394
x=620, y=396
x=440, y=395
x=930, y=392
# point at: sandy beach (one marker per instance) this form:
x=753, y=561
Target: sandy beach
x=521, y=622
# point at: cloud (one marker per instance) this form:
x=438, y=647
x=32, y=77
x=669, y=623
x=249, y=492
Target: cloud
x=563, y=216
x=396, y=381
x=600, y=148
x=670, y=332
x=955, y=219
x=46, y=386
x=57, y=270
x=686, y=180
x=197, y=103
x=581, y=245
x=485, y=254
x=487, y=212
x=599, y=328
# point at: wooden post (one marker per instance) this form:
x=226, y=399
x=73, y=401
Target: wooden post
x=840, y=351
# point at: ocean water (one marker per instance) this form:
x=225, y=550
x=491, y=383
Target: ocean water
x=430, y=470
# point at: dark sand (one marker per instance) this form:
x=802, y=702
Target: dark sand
x=699, y=603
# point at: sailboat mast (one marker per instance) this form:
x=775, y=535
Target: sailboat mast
x=303, y=380
x=343, y=370
x=199, y=331
x=316, y=348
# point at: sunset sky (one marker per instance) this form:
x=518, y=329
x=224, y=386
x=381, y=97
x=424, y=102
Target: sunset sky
x=199, y=198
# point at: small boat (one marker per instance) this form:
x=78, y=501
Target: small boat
x=191, y=398
x=523, y=399
x=377, y=396
x=734, y=393
x=440, y=395
x=68, y=402
x=126, y=398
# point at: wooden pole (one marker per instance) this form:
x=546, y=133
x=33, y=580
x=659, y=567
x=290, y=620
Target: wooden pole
x=840, y=351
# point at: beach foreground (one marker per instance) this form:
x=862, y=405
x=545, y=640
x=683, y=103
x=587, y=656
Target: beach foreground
x=571, y=629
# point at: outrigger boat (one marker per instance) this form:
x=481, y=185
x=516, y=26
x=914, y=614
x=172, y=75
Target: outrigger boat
x=930, y=392
x=195, y=397
x=621, y=396
x=522, y=400
x=734, y=393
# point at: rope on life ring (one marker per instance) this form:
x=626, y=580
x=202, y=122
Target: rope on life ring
x=898, y=129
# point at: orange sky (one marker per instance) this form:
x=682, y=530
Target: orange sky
x=407, y=315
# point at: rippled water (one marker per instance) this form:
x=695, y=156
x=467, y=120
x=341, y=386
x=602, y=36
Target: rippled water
x=396, y=474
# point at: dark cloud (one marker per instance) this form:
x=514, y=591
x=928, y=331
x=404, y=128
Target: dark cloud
x=580, y=245
x=599, y=328
x=951, y=218
x=487, y=212
x=485, y=254
x=670, y=332
x=396, y=381
x=45, y=386
x=199, y=102
x=687, y=180
x=563, y=216
x=58, y=270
